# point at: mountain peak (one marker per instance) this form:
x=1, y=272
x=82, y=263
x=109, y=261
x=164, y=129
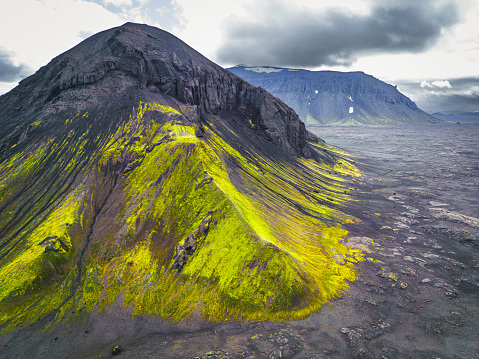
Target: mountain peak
x=153, y=61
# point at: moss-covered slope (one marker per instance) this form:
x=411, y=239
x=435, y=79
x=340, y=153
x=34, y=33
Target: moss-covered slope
x=169, y=208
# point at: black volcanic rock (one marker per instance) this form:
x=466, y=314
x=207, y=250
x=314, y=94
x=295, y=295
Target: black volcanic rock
x=336, y=98
x=153, y=61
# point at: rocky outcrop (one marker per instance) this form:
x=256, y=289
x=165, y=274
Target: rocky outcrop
x=190, y=243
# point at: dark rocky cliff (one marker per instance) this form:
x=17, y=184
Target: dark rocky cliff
x=328, y=97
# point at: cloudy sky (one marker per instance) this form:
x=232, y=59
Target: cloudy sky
x=429, y=48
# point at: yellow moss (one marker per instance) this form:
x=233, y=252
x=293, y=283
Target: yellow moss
x=33, y=263
x=291, y=254
x=273, y=250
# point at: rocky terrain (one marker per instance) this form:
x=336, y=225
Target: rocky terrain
x=336, y=98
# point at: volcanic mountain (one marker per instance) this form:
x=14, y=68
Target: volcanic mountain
x=336, y=98
x=136, y=172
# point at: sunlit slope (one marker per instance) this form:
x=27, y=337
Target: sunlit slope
x=154, y=215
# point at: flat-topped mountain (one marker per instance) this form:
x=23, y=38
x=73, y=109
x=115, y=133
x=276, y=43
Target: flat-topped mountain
x=137, y=174
x=336, y=98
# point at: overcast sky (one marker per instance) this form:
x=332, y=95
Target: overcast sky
x=429, y=48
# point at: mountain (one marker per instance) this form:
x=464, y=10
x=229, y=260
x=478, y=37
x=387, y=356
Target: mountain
x=137, y=174
x=458, y=116
x=336, y=98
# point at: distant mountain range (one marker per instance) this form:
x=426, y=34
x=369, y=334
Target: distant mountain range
x=457, y=116
x=336, y=98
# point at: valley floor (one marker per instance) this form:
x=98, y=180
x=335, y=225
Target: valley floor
x=417, y=293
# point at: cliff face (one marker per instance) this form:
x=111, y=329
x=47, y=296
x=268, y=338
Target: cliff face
x=336, y=98
x=135, y=172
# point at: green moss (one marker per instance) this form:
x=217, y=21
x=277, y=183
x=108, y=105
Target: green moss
x=35, y=263
x=347, y=122
x=310, y=120
x=260, y=257
x=273, y=248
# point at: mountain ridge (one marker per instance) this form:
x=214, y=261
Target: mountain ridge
x=336, y=98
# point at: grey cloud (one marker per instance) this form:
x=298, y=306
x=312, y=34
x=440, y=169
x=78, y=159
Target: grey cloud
x=456, y=103
x=283, y=35
x=462, y=96
x=8, y=71
x=465, y=82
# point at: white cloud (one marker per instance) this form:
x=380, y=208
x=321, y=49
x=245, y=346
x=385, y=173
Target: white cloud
x=436, y=84
x=441, y=83
x=38, y=31
x=203, y=20
x=118, y=2
x=356, y=6
x=6, y=86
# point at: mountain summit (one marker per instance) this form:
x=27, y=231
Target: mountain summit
x=156, y=63
x=135, y=173
x=336, y=98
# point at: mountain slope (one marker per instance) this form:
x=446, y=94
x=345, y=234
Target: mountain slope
x=336, y=98
x=135, y=171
